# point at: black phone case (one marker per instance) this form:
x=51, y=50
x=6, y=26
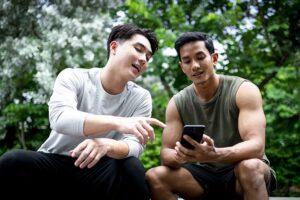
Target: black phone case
x=194, y=131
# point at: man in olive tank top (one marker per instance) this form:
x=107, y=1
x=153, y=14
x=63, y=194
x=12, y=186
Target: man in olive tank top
x=230, y=161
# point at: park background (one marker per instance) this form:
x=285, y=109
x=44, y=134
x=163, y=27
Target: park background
x=257, y=39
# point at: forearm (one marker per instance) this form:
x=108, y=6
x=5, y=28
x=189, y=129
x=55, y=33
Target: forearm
x=97, y=124
x=115, y=148
x=241, y=151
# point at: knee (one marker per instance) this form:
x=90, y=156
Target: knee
x=154, y=175
x=250, y=172
x=133, y=165
x=151, y=174
x=11, y=165
x=10, y=159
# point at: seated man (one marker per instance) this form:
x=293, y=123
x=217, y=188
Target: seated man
x=230, y=161
x=100, y=123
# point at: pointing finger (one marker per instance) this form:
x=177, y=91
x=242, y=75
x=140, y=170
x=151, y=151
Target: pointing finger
x=156, y=122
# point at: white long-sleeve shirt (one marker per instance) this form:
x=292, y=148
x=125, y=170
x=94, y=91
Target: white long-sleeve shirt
x=78, y=92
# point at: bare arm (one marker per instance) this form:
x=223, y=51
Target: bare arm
x=252, y=125
x=171, y=134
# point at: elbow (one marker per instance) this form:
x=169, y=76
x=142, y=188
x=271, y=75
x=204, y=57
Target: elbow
x=171, y=164
x=68, y=122
x=261, y=153
x=56, y=126
x=259, y=150
x=55, y=122
x=60, y=123
x=258, y=154
x=167, y=161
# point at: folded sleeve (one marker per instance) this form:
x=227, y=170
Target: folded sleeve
x=144, y=109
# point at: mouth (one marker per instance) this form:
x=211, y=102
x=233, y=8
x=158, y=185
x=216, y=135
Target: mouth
x=199, y=73
x=138, y=68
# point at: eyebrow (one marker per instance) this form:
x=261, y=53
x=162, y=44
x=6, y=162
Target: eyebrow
x=140, y=44
x=197, y=54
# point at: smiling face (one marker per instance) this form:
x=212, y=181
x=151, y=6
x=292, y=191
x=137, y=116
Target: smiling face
x=196, y=62
x=131, y=57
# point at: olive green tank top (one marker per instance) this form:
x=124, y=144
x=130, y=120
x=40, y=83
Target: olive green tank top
x=219, y=114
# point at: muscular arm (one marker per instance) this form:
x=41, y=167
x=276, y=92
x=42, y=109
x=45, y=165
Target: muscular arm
x=171, y=134
x=251, y=124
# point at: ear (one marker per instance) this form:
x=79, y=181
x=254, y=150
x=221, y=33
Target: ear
x=215, y=57
x=113, y=47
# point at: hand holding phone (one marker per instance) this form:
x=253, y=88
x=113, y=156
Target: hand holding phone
x=195, y=132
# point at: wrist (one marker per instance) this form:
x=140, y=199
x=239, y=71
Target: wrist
x=114, y=122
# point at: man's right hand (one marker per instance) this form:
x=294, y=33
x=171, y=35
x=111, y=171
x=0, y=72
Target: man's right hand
x=140, y=127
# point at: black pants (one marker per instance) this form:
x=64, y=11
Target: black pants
x=29, y=173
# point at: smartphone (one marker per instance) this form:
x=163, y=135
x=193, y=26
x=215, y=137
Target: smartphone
x=194, y=131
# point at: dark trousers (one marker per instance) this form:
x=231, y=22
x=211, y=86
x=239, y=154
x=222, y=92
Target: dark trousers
x=30, y=173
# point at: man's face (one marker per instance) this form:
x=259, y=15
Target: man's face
x=196, y=62
x=133, y=54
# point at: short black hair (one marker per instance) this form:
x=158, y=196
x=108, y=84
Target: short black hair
x=191, y=37
x=126, y=31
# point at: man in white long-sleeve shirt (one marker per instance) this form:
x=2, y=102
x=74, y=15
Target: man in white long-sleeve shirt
x=100, y=123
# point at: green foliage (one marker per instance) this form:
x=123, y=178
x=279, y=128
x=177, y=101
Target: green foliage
x=285, y=155
x=258, y=40
x=283, y=137
x=25, y=124
x=151, y=156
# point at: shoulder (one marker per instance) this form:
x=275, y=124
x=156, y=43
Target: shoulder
x=248, y=88
x=232, y=80
x=77, y=77
x=184, y=93
x=180, y=100
x=138, y=92
x=231, y=85
x=172, y=110
x=248, y=94
x=133, y=87
x=74, y=72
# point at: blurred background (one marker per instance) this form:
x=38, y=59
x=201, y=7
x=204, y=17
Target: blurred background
x=256, y=39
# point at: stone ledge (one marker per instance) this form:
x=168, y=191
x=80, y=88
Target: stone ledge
x=283, y=198
x=274, y=198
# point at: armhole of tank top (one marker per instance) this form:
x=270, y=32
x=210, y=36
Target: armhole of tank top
x=176, y=101
x=233, y=97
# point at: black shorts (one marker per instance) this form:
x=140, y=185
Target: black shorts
x=219, y=184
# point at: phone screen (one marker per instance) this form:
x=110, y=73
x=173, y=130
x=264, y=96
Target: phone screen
x=194, y=131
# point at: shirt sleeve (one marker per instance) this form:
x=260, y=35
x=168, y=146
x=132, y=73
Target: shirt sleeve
x=63, y=114
x=135, y=148
x=144, y=109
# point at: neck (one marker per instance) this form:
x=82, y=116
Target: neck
x=111, y=80
x=206, y=90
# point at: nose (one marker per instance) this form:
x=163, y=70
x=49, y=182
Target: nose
x=143, y=59
x=195, y=65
